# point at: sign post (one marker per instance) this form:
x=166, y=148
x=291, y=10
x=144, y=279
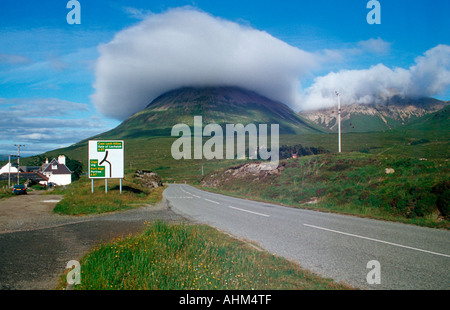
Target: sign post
x=106, y=161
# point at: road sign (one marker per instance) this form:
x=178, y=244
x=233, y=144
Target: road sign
x=106, y=159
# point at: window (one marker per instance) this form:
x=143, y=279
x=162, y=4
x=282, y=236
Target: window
x=54, y=167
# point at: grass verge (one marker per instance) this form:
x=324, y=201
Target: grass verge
x=5, y=190
x=5, y=193
x=79, y=200
x=189, y=257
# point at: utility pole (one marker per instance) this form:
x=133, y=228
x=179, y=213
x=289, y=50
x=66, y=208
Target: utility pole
x=9, y=171
x=18, y=157
x=339, y=119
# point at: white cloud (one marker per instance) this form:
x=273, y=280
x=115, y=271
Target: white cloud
x=186, y=47
x=45, y=123
x=13, y=59
x=136, y=13
x=375, y=46
x=429, y=76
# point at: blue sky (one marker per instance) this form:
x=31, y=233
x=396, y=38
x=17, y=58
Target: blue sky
x=47, y=67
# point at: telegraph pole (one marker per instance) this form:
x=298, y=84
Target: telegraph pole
x=339, y=119
x=18, y=156
x=9, y=171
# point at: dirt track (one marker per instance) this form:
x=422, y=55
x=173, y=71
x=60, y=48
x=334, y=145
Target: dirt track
x=35, y=244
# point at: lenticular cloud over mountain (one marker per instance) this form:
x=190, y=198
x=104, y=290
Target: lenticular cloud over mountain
x=186, y=47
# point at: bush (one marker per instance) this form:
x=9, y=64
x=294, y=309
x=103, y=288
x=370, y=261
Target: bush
x=421, y=201
x=442, y=191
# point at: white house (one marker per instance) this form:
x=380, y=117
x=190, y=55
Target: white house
x=8, y=168
x=57, y=172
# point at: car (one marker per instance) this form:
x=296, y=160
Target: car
x=19, y=189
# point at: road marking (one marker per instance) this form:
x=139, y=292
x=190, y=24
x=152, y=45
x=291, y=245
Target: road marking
x=249, y=211
x=52, y=200
x=196, y=196
x=179, y=197
x=217, y=203
x=377, y=240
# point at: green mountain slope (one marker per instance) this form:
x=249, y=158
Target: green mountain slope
x=435, y=123
x=220, y=105
x=147, y=134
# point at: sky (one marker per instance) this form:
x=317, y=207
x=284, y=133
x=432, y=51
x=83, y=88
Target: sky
x=61, y=82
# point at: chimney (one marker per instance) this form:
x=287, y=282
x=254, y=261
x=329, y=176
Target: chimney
x=46, y=160
x=62, y=159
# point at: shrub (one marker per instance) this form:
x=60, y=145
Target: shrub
x=442, y=191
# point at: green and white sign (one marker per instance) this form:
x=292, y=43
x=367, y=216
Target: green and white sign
x=106, y=159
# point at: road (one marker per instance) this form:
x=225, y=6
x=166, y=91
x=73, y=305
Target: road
x=332, y=245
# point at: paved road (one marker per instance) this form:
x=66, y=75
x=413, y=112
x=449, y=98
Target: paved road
x=334, y=246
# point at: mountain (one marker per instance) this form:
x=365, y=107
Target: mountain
x=220, y=105
x=392, y=113
x=434, y=124
x=148, y=140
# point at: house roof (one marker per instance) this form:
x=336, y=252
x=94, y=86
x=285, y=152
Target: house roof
x=35, y=176
x=55, y=167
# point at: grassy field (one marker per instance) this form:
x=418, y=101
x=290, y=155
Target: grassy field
x=78, y=199
x=191, y=257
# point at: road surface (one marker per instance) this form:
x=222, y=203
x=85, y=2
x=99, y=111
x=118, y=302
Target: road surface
x=332, y=245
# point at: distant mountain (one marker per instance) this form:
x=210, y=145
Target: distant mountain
x=437, y=123
x=219, y=105
x=393, y=113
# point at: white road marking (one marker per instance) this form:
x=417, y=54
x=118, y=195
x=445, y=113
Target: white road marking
x=180, y=197
x=192, y=194
x=377, y=240
x=249, y=211
x=217, y=203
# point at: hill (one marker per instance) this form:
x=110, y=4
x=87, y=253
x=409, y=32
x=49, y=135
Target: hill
x=394, y=112
x=148, y=139
x=425, y=137
x=219, y=105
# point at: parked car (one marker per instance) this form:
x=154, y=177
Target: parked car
x=19, y=189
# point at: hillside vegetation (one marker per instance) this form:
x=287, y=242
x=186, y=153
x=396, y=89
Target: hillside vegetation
x=379, y=186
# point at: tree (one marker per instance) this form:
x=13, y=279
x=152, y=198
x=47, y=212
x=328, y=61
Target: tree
x=75, y=166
